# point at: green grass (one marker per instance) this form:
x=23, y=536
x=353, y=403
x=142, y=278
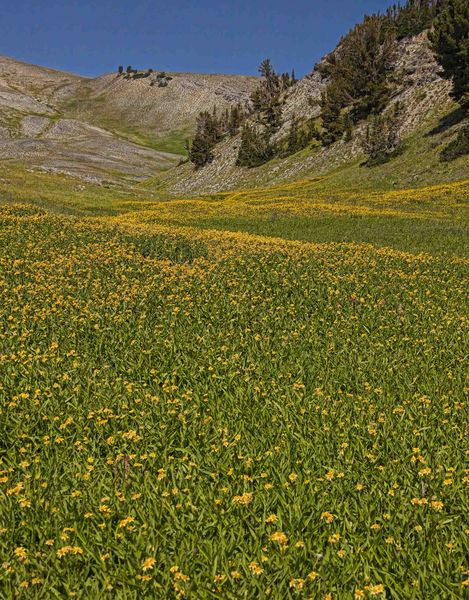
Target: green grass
x=174, y=142
x=410, y=235
x=64, y=194
x=93, y=109
x=239, y=396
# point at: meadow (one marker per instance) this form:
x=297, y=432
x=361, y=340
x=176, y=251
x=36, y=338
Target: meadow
x=258, y=394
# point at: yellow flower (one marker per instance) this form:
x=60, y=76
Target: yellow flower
x=376, y=590
x=148, y=564
x=21, y=553
x=244, y=499
x=297, y=584
x=293, y=477
x=271, y=519
x=61, y=552
x=279, y=537
x=327, y=516
x=125, y=522
x=255, y=568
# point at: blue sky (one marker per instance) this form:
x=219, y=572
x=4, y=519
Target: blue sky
x=91, y=37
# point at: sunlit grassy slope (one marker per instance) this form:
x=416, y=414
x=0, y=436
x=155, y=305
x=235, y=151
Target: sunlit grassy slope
x=254, y=395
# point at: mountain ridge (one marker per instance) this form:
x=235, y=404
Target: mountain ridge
x=103, y=128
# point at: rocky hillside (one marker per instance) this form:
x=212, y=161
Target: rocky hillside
x=422, y=92
x=143, y=106
x=108, y=127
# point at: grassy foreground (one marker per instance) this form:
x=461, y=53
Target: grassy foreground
x=255, y=395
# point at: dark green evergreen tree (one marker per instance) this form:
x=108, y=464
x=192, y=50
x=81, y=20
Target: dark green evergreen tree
x=255, y=148
x=207, y=135
x=413, y=17
x=358, y=73
x=331, y=114
x=266, y=98
x=293, y=137
x=450, y=40
x=201, y=151
x=348, y=127
x=382, y=140
x=235, y=119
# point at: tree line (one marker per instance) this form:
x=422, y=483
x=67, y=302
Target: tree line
x=360, y=84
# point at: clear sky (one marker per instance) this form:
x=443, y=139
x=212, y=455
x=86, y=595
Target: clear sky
x=90, y=37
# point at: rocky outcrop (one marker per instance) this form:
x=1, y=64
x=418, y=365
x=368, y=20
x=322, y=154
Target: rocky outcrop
x=418, y=86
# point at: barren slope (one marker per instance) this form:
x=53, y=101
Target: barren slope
x=106, y=127
x=140, y=106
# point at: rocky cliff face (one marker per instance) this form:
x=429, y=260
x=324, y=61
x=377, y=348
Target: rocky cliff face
x=419, y=88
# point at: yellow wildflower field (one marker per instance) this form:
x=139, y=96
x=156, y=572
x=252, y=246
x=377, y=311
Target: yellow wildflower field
x=194, y=405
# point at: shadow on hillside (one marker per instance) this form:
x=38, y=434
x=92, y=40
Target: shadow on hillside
x=450, y=120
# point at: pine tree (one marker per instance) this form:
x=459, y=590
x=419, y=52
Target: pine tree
x=255, y=148
x=266, y=98
x=382, y=138
x=364, y=68
x=358, y=75
x=208, y=133
x=331, y=114
x=235, y=119
x=293, y=137
x=348, y=127
x=450, y=40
